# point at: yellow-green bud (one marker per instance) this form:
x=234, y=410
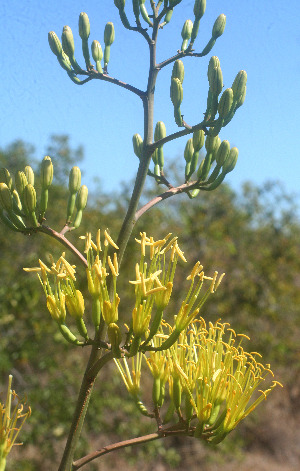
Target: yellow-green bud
x=109, y=34
x=186, y=33
x=211, y=142
x=74, y=180
x=216, y=81
x=219, y=26
x=54, y=44
x=198, y=139
x=75, y=305
x=225, y=102
x=241, y=99
x=81, y=198
x=5, y=177
x=6, y=200
x=239, y=84
x=189, y=150
x=231, y=160
x=46, y=172
x=114, y=335
x=97, y=51
x=21, y=182
x=187, y=29
x=29, y=175
x=84, y=26
x=213, y=62
x=199, y=8
x=176, y=92
x=137, y=145
x=178, y=70
x=30, y=198
x=120, y=4
x=67, y=41
x=222, y=153
x=160, y=131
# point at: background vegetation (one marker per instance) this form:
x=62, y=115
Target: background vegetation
x=252, y=236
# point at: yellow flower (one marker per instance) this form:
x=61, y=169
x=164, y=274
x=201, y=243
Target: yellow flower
x=8, y=422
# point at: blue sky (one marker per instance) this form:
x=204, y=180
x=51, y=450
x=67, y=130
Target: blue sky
x=38, y=98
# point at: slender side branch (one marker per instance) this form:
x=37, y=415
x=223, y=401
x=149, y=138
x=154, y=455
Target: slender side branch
x=177, y=134
x=179, y=55
x=167, y=194
x=94, y=74
x=134, y=441
x=61, y=238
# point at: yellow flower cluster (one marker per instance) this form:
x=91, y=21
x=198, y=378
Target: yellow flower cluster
x=8, y=422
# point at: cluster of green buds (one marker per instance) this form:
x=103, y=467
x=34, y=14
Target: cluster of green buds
x=9, y=417
x=190, y=29
x=65, y=50
x=230, y=100
x=19, y=208
x=210, y=382
x=218, y=154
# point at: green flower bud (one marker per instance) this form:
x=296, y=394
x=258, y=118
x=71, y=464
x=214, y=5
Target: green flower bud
x=239, y=84
x=176, y=92
x=67, y=41
x=199, y=8
x=219, y=26
x=198, y=139
x=5, y=177
x=178, y=70
x=160, y=131
x=213, y=62
x=46, y=172
x=216, y=81
x=187, y=29
x=189, y=150
x=30, y=198
x=241, y=99
x=97, y=51
x=74, y=180
x=231, y=160
x=144, y=13
x=54, y=44
x=84, y=26
x=120, y=4
x=29, y=175
x=109, y=34
x=167, y=18
x=217, y=145
x=137, y=145
x=186, y=33
x=222, y=153
x=81, y=198
x=17, y=203
x=6, y=200
x=65, y=62
x=21, y=182
x=225, y=102
x=211, y=142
